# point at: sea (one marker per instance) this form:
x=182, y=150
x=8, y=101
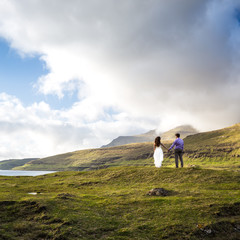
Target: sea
x=23, y=173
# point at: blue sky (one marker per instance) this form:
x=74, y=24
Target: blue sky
x=19, y=73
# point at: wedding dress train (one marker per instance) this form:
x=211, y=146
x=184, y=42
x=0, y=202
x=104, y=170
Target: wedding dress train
x=158, y=157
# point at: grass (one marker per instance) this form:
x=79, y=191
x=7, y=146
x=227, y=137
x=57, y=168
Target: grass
x=131, y=154
x=112, y=204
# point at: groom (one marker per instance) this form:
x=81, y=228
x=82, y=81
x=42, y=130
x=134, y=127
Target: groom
x=179, y=144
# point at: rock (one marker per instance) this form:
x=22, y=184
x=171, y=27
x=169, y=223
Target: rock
x=194, y=166
x=237, y=227
x=158, y=192
x=208, y=231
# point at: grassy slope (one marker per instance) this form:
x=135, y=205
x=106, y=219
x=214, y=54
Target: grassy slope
x=220, y=148
x=112, y=204
x=216, y=149
x=12, y=163
x=131, y=154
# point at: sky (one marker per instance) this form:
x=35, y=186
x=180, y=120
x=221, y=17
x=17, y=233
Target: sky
x=75, y=74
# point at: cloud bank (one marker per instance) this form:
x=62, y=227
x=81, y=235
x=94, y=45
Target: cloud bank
x=135, y=64
x=38, y=130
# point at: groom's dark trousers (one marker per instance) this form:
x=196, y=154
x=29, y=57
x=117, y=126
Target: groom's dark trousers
x=178, y=153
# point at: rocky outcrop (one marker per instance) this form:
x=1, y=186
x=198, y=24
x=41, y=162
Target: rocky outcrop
x=158, y=192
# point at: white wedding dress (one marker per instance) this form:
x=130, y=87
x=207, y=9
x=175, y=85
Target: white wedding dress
x=158, y=157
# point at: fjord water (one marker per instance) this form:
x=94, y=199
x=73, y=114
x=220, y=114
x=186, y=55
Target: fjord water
x=23, y=173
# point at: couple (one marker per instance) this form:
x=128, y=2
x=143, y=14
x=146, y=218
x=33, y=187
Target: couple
x=158, y=153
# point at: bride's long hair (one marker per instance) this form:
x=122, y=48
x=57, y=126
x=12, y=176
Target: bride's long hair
x=157, y=141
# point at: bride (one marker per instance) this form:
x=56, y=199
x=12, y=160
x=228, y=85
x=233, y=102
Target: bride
x=158, y=152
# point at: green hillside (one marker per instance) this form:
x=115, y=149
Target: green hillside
x=215, y=149
x=12, y=163
x=220, y=148
x=133, y=154
x=112, y=204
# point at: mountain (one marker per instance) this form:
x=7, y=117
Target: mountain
x=184, y=130
x=214, y=149
x=12, y=163
x=123, y=140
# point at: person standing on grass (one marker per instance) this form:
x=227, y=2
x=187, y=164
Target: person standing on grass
x=158, y=152
x=179, y=145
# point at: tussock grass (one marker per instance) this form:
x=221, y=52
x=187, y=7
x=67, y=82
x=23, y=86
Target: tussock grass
x=112, y=204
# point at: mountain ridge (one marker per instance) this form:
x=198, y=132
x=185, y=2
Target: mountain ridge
x=184, y=130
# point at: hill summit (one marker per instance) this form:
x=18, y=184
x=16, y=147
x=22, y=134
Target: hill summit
x=184, y=130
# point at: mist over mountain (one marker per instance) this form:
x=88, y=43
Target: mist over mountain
x=184, y=130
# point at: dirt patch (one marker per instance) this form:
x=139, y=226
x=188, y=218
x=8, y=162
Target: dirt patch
x=229, y=210
x=7, y=203
x=219, y=230
x=28, y=220
x=65, y=196
x=23, y=208
x=88, y=183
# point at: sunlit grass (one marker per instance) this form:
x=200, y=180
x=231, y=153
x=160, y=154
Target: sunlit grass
x=112, y=203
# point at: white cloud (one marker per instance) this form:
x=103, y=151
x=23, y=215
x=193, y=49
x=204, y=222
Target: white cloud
x=39, y=131
x=161, y=63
